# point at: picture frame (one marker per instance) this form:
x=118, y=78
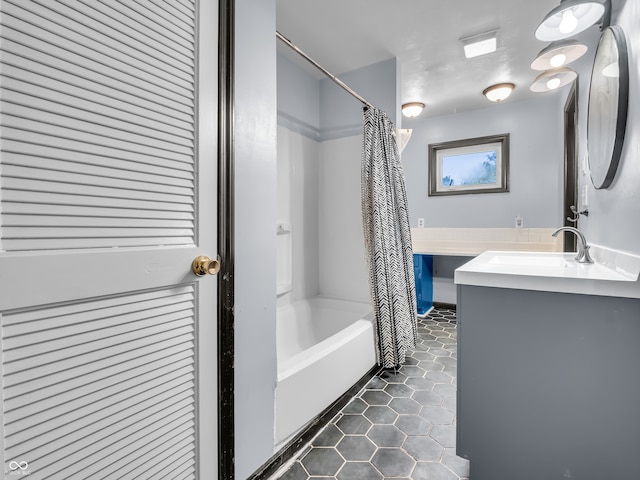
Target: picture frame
x=472, y=165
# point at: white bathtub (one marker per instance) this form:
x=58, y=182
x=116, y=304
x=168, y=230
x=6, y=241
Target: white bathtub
x=324, y=347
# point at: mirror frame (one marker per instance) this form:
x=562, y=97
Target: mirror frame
x=618, y=125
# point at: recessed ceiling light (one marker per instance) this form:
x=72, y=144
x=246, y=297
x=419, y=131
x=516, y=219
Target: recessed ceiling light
x=480, y=44
x=499, y=92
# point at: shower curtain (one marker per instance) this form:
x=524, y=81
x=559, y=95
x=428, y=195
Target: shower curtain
x=387, y=237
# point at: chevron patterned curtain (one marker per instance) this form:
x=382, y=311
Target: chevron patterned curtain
x=387, y=237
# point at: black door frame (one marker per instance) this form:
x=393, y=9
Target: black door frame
x=226, y=239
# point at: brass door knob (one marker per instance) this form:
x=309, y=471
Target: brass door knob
x=204, y=265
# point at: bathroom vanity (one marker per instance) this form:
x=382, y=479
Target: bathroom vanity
x=548, y=366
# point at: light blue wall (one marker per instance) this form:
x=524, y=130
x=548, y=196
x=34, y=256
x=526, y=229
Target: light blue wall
x=614, y=213
x=341, y=113
x=255, y=256
x=298, y=99
x=536, y=159
x=321, y=110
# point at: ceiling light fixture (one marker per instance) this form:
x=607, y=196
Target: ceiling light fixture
x=571, y=17
x=412, y=109
x=499, y=92
x=558, y=54
x=480, y=44
x=553, y=79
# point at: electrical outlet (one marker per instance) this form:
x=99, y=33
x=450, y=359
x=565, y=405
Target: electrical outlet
x=519, y=221
x=420, y=222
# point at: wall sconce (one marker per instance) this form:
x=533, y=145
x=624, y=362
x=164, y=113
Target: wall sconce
x=558, y=54
x=480, y=44
x=553, y=79
x=412, y=109
x=571, y=17
x=498, y=92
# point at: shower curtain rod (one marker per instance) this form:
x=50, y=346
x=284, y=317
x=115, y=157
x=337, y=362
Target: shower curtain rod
x=322, y=69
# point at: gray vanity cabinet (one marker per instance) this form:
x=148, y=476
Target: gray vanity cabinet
x=548, y=385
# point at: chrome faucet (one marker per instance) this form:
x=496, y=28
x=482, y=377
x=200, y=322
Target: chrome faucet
x=583, y=249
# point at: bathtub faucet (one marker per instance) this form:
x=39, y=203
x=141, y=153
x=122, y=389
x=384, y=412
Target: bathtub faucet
x=583, y=248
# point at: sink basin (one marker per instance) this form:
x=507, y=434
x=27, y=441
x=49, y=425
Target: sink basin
x=526, y=259
x=613, y=274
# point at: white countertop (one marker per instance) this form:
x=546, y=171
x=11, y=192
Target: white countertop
x=613, y=274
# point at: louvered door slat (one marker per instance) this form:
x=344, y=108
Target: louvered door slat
x=15, y=125
x=56, y=464
x=33, y=173
x=37, y=221
x=94, y=40
x=59, y=137
x=143, y=32
x=54, y=381
x=101, y=158
x=55, y=166
x=167, y=458
x=39, y=69
x=140, y=12
x=47, y=427
x=77, y=314
x=73, y=388
x=186, y=15
x=21, y=245
x=57, y=47
x=189, y=5
x=61, y=199
x=142, y=453
x=15, y=213
x=61, y=125
x=39, y=410
x=53, y=186
x=70, y=108
x=94, y=349
x=94, y=330
x=115, y=456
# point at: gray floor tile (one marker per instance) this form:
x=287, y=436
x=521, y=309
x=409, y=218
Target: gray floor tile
x=356, y=448
x=393, y=462
x=322, y=461
x=379, y=414
x=432, y=471
x=386, y=435
x=358, y=471
x=445, y=435
x=354, y=424
x=423, y=449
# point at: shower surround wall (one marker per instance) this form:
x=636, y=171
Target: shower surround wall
x=321, y=252
x=319, y=154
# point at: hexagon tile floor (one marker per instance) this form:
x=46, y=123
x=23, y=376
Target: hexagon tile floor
x=401, y=425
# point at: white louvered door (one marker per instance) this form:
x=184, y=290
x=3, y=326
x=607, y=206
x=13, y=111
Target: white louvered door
x=108, y=131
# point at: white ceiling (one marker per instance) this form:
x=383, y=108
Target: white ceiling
x=424, y=35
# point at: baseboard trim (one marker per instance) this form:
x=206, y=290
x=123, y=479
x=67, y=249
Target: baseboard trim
x=449, y=306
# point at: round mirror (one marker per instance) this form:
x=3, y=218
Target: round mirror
x=608, y=101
